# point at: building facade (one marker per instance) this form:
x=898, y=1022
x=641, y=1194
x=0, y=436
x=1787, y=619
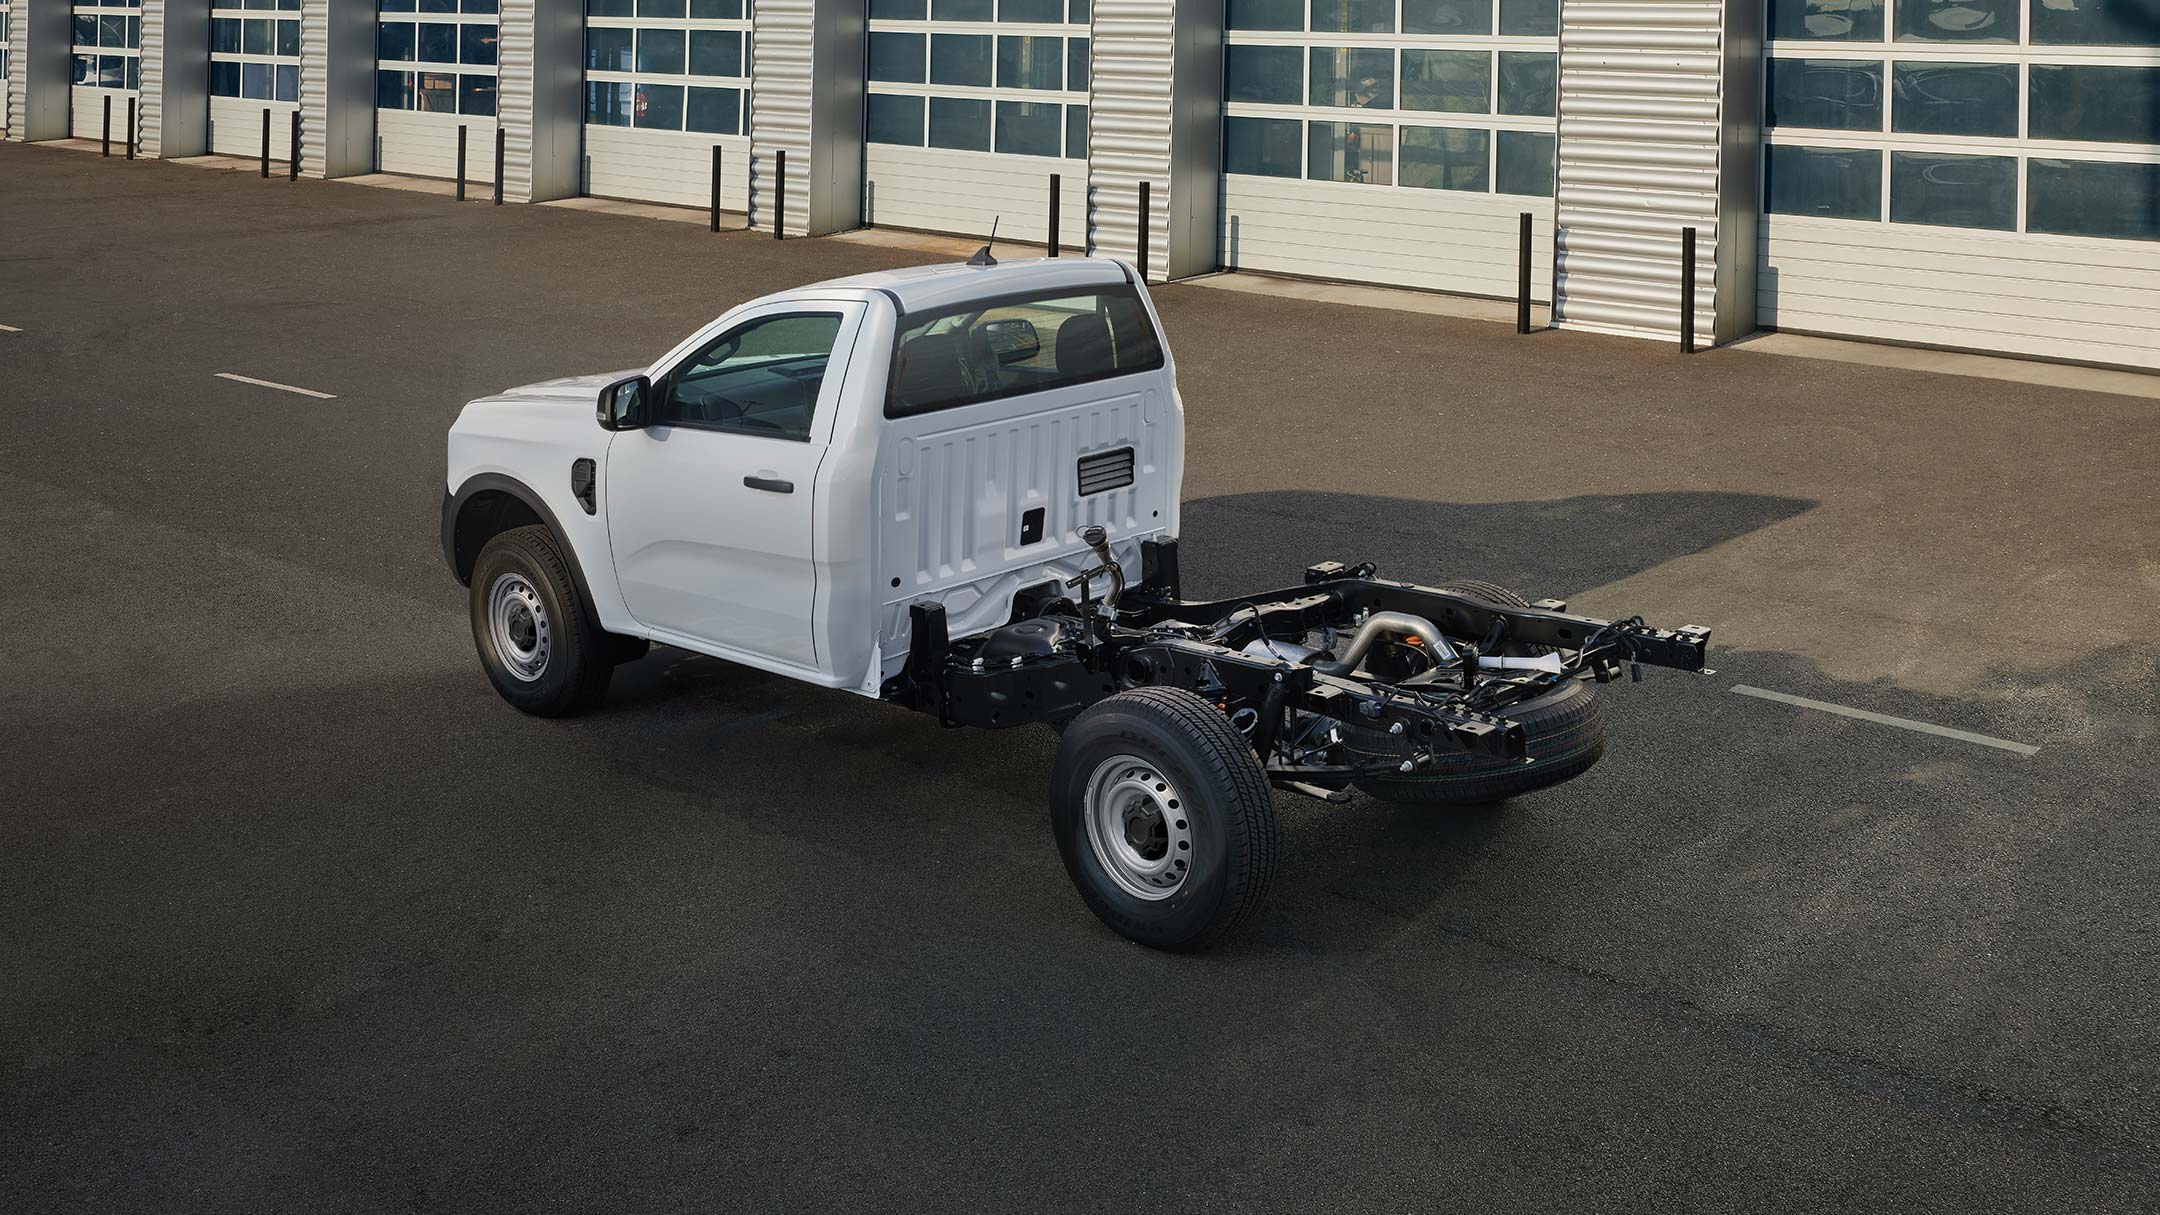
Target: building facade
x=1972, y=174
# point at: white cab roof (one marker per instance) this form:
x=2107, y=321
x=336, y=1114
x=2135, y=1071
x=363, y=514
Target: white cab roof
x=934, y=288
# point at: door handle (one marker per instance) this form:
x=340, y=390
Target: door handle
x=771, y=485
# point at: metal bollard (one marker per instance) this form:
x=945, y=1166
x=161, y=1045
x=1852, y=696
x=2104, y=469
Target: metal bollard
x=499, y=145
x=105, y=140
x=1143, y=230
x=131, y=129
x=266, y=144
x=1056, y=181
x=779, y=192
x=1522, y=274
x=1687, y=290
x=461, y=162
x=292, y=166
x=716, y=187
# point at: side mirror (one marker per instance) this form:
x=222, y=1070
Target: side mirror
x=1013, y=340
x=622, y=403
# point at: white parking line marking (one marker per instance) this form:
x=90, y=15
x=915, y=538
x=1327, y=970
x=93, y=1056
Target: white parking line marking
x=9, y=329
x=1881, y=719
x=248, y=379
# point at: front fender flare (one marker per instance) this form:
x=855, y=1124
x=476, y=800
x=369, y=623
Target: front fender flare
x=454, y=505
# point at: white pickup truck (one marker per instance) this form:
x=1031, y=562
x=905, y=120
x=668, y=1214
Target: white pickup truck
x=956, y=488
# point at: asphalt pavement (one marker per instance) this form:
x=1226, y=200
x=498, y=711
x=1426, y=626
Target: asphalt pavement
x=300, y=917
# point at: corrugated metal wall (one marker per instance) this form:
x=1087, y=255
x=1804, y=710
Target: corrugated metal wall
x=1639, y=158
x=781, y=97
x=514, y=99
x=314, y=84
x=150, y=112
x=1129, y=118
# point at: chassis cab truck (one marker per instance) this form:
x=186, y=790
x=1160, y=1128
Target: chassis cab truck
x=956, y=488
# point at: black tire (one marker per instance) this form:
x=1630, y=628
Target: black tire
x=570, y=671
x=1493, y=592
x=1209, y=775
x=1563, y=734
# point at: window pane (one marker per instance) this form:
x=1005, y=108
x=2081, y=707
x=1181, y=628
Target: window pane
x=85, y=30
x=660, y=51
x=2095, y=23
x=1524, y=162
x=225, y=35
x=112, y=32
x=1353, y=16
x=1529, y=83
x=436, y=43
x=719, y=53
x=894, y=120
x=2112, y=104
x=134, y=33
x=1074, y=339
x=1957, y=21
x=960, y=122
x=1347, y=76
x=266, y=5
x=1955, y=99
x=762, y=379
x=659, y=8
x=1444, y=158
x=962, y=59
x=897, y=57
x=716, y=10
x=225, y=80
x=1266, y=148
x=1446, y=16
x=2093, y=198
x=476, y=44
x=1350, y=151
x=715, y=111
x=1077, y=12
x=607, y=8
x=1529, y=18
x=899, y=10
x=1270, y=74
x=406, y=6
x=607, y=50
x=1076, y=133
x=436, y=92
x=1841, y=183
x=1834, y=94
x=1953, y=191
x=393, y=90
x=1266, y=15
x=477, y=6
x=960, y=10
x=607, y=102
x=1046, y=12
x=659, y=106
x=255, y=81
x=112, y=72
x=288, y=82
x=430, y=6
x=1827, y=20
x=476, y=93
x=1076, y=65
x=257, y=36
x=1030, y=62
x=1030, y=128
x=1458, y=82
x=134, y=71
x=288, y=39
x=86, y=69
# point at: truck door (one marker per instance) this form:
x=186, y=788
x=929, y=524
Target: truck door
x=709, y=504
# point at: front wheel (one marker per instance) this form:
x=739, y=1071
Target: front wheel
x=536, y=643
x=1163, y=817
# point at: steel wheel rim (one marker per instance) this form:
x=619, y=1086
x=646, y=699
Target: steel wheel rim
x=1139, y=827
x=519, y=624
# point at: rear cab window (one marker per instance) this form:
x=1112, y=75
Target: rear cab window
x=989, y=350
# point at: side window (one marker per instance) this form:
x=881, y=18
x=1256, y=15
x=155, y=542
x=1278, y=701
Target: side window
x=759, y=378
x=1017, y=346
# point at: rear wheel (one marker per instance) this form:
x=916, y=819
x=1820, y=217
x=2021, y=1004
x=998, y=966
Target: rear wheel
x=1163, y=817
x=539, y=647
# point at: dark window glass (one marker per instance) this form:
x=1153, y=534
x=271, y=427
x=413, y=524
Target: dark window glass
x=1840, y=183
x=112, y=32
x=436, y=43
x=607, y=8
x=2095, y=23
x=1269, y=74
x=435, y=6
x=1351, y=76
x=961, y=10
x=1956, y=21
x=85, y=30
x=1076, y=65
x=1264, y=147
x=607, y=102
x=393, y=90
x=225, y=37
x=896, y=120
x=1266, y=14
x=477, y=6
x=716, y=53
x=1529, y=18
x=1953, y=191
x=1077, y=12
x=659, y=107
x=225, y=81
x=1456, y=82
x=761, y=378
x=1353, y=16
x=1030, y=62
x=288, y=39
x=476, y=45
x=607, y=50
x=2092, y=198
x=962, y=59
x=1030, y=128
x=716, y=10
x=1076, y=339
x=714, y=111
x=896, y=57
x=112, y=73
x=476, y=94
x=1833, y=94
x=1523, y=162
x=660, y=51
x=962, y=123
x=1827, y=20
x=86, y=69
x=899, y=10
x=288, y=82
x=257, y=37
x=255, y=81
x=1955, y=99
x=134, y=72
x=1444, y=158
x=1446, y=17
x=1529, y=83
x=1076, y=137
x=406, y=6
x=1042, y=12
x=1350, y=151
x=659, y=8
x=2108, y=104
x=436, y=92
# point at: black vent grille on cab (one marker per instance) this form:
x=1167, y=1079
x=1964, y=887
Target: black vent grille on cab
x=1105, y=471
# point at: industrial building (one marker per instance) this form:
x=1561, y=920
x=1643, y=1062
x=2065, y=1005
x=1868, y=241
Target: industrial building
x=1971, y=174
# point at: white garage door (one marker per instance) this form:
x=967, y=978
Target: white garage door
x=1390, y=141
x=667, y=81
x=108, y=65
x=1981, y=174
x=436, y=73
x=254, y=69
x=973, y=106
